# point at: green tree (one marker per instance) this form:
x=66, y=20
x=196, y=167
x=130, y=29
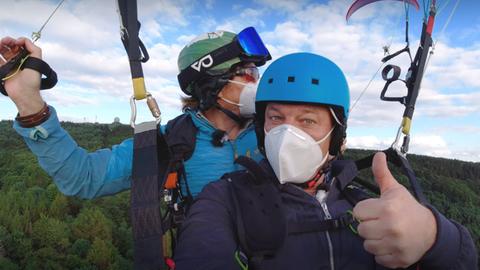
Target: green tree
x=59, y=207
x=51, y=232
x=80, y=248
x=6, y=264
x=102, y=253
x=90, y=224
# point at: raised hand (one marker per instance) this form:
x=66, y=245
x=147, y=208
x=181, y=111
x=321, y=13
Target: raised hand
x=397, y=229
x=23, y=87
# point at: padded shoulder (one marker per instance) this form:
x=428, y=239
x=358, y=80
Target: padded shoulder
x=180, y=134
x=260, y=217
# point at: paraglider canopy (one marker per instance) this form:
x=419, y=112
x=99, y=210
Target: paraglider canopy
x=361, y=3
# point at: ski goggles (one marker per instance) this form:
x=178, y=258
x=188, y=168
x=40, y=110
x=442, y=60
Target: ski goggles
x=247, y=45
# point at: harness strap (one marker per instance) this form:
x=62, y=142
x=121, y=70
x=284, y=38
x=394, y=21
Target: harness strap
x=261, y=222
x=402, y=162
x=341, y=222
x=136, y=51
x=149, y=158
x=253, y=168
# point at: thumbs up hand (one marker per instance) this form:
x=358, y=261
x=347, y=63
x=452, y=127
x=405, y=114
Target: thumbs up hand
x=397, y=229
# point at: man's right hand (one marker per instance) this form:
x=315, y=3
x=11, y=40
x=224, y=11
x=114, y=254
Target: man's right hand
x=24, y=87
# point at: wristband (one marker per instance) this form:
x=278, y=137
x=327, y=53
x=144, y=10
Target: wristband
x=33, y=120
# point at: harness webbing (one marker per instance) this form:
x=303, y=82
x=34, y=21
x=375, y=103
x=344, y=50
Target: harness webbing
x=400, y=161
x=136, y=51
x=145, y=196
x=341, y=222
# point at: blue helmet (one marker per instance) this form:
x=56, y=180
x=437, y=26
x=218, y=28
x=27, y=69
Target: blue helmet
x=304, y=78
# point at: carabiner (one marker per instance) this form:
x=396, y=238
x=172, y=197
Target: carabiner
x=154, y=109
x=152, y=105
x=133, y=109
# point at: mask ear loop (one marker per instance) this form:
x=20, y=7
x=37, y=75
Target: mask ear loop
x=229, y=101
x=335, y=117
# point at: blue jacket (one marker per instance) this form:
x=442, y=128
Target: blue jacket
x=108, y=171
x=208, y=239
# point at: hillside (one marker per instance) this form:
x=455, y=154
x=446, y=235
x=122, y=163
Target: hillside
x=42, y=229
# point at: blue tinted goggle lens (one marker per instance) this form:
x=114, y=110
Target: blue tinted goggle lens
x=251, y=42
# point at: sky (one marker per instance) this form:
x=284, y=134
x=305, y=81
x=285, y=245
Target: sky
x=82, y=43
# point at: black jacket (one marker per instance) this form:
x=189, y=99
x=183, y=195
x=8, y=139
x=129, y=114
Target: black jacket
x=209, y=239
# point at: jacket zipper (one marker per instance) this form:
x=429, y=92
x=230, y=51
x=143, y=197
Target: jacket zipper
x=329, y=240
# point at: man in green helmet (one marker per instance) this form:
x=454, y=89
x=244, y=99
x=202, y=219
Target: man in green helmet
x=218, y=73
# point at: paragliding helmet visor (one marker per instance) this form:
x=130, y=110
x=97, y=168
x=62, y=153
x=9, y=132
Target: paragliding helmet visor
x=247, y=45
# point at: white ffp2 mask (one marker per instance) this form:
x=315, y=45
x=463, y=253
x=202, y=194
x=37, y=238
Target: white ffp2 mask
x=246, y=103
x=293, y=154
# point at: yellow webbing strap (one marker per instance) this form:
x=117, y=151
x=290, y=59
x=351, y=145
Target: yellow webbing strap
x=406, y=123
x=139, y=90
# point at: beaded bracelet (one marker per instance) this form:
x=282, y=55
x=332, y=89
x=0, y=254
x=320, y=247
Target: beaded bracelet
x=33, y=120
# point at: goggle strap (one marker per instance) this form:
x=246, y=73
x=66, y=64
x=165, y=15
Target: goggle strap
x=195, y=70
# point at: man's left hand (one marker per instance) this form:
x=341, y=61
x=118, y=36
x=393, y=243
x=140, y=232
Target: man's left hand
x=397, y=229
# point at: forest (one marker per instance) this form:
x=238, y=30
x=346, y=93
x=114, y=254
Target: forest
x=42, y=229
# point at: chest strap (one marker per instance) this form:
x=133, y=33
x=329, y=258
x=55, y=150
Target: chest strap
x=342, y=222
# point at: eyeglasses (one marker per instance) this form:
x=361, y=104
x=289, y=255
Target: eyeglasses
x=247, y=45
x=251, y=74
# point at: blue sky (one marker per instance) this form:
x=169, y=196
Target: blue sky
x=82, y=44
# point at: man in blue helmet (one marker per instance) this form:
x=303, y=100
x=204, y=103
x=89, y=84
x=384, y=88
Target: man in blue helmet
x=299, y=209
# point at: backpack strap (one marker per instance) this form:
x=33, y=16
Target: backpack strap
x=150, y=158
x=260, y=218
x=181, y=135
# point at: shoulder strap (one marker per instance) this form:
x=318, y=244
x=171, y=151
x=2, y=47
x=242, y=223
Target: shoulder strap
x=150, y=158
x=261, y=222
x=346, y=173
x=155, y=155
x=180, y=134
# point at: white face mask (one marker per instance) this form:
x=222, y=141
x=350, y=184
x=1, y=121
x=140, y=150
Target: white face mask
x=293, y=154
x=247, y=99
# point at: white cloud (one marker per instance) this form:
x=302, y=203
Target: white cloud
x=171, y=12
x=466, y=154
x=421, y=144
x=288, y=34
x=430, y=145
x=367, y=142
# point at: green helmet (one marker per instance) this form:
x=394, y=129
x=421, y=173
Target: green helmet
x=202, y=45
